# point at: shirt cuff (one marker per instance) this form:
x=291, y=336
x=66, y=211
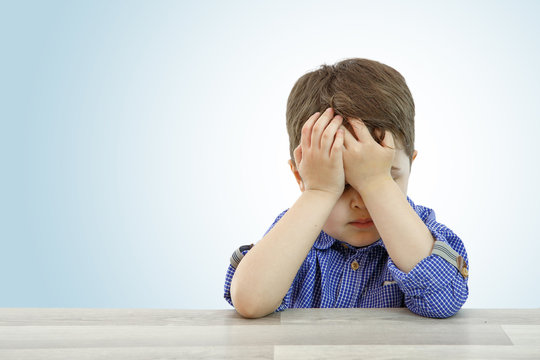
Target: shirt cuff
x=431, y=274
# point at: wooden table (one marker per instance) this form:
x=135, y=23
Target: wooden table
x=293, y=334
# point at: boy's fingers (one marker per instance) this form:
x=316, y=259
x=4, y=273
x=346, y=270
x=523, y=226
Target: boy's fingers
x=361, y=130
x=388, y=140
x=348, y=138
x=305, y=140
x=338, y=143
x=320, y=126
x=329, y=134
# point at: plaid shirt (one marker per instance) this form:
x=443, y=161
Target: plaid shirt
x=338, y=275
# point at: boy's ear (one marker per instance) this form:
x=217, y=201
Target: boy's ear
x=297, y=175
x=412, y=159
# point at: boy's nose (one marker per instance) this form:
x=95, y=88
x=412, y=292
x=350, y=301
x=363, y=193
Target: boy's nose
x=356, y=200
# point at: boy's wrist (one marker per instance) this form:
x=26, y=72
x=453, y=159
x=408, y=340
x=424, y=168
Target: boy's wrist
x=323, y=194
x=373, y=185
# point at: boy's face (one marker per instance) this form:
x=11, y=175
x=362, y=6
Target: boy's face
x=350, y=207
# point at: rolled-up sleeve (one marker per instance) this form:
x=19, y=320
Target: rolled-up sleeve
x=228, y=279
x=235, y=260
x=437, y=286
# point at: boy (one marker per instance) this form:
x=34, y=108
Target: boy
x=353, y=238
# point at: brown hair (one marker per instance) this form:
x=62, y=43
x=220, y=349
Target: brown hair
x=354, y=88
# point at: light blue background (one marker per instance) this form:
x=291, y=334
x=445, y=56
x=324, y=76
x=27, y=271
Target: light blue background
x=142, y=142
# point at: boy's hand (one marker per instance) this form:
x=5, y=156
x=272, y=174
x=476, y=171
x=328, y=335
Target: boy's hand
x=319, y=156
x=366, y=162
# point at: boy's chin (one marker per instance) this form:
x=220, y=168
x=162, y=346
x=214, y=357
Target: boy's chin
x=363, y=239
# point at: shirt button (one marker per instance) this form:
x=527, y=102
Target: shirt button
x=345, y=246
x=462, y=265
x=354, y=265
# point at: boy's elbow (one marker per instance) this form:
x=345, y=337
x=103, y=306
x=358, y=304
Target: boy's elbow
x=250, y=312
x=249, y=307
x=434, y=310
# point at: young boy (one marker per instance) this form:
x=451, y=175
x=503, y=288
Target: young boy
x=353, y=238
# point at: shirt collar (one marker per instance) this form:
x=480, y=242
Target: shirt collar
x=325, y=241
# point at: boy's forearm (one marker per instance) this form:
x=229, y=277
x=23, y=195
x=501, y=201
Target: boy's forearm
x=405, y=236
x=266, y=273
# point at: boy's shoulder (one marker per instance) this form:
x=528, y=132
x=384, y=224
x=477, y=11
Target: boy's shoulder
x=424, y=212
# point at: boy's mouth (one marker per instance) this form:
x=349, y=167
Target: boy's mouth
x=362, y=223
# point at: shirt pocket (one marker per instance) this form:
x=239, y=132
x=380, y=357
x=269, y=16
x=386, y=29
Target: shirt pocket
x=383, y=294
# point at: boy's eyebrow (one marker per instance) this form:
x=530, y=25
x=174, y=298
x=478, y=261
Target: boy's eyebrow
x=394, y=168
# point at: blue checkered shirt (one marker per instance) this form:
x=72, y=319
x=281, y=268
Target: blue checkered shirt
x=326, y=279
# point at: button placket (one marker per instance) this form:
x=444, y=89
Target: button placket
x=350, y=277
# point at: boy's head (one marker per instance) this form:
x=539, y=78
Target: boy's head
x=356, y=89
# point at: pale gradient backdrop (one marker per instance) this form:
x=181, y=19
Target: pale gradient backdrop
x=143, y=141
